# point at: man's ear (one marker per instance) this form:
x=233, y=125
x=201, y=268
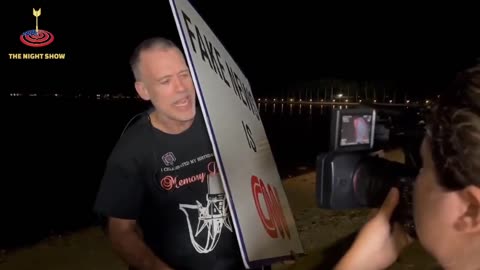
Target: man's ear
x=142, y=90
x=470, y=220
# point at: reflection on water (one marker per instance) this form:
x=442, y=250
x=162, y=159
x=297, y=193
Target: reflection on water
x=300, y=109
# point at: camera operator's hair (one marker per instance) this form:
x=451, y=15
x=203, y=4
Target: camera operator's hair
x=454, y=129
x=154, y=42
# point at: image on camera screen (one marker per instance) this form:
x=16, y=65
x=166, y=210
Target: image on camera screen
x=355, y=130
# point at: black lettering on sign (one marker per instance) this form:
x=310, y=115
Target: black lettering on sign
x=251, y=102
x=211, y=55
x=242, y=92
x=222, y=69
x=248, y=133
x=202, y=47
x=232, y=79
x=190, y=33
x=207, y=50
x=241, y=87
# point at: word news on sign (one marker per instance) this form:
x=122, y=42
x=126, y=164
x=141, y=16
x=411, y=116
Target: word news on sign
x=210, y=55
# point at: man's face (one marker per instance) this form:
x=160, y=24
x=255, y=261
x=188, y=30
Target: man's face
x=166, y=82
x=436, y=210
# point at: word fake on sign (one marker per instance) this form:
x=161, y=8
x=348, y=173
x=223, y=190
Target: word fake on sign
x=274, y=220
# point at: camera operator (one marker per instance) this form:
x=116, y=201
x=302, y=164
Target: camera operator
x=446, y=193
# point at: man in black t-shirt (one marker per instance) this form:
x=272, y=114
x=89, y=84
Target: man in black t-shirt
x=161, y=192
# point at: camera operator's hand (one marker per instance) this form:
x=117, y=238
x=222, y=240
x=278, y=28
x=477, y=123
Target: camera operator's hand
x=377, y=245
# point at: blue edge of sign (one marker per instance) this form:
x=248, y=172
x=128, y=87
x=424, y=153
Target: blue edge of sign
x=252, y=264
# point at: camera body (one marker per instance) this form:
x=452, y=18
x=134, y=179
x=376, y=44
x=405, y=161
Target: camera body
x=350, y=176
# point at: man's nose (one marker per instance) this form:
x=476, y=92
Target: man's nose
x=179, y=84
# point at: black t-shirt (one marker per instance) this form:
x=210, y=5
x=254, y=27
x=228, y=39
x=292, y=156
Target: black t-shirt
x=169, y=184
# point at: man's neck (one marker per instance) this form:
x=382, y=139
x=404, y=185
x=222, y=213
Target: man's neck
x=468, y=260
x=168, y=125
x=465, y=266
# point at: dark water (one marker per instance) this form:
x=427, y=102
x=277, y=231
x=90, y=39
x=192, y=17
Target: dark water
x=56, y=150
x=297, y=133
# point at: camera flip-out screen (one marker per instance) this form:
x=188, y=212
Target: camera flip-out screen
x=355, y=129
x=352, y=129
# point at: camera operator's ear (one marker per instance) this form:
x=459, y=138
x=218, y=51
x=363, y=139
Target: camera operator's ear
x=470, y=220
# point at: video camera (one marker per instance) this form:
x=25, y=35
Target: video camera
x=351, y=176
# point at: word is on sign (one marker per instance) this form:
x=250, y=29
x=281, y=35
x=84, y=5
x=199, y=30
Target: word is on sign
x=273, y=220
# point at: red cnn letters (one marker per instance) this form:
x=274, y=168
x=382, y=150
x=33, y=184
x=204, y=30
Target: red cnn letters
x=273, y=219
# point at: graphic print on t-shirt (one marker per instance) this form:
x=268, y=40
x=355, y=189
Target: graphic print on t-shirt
x=205, y=219
x=168, y=159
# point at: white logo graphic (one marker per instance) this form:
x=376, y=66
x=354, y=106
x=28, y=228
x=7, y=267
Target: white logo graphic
x=211, y=218
x=168, y=159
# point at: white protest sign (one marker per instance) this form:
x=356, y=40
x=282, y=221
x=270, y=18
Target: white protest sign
x=261, y=214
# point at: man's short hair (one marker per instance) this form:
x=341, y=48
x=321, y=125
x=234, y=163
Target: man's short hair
x=154, y=42
x=454, y=126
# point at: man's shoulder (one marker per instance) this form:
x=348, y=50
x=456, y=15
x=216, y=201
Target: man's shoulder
x=134, y=139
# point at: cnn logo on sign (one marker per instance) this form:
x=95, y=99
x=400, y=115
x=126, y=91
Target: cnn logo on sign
x=272, y=216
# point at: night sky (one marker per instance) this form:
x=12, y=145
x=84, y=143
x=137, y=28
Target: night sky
x=275, y=46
